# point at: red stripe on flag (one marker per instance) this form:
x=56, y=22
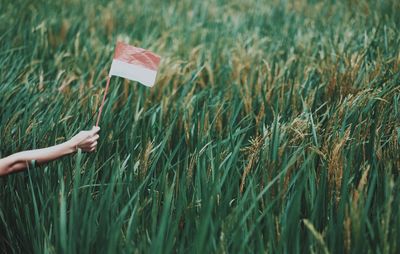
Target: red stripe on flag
x=138, y=56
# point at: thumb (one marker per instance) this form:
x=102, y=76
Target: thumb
x=95, y=129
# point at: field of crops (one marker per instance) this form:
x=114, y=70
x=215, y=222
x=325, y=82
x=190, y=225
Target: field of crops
x=274, y=126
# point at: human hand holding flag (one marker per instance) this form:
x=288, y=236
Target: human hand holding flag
x=132, y=63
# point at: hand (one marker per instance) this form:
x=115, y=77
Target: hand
x=85, y=140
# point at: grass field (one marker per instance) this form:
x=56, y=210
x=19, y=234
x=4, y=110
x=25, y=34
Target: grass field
x=274, y=126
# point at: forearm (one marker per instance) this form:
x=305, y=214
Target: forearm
x=21, y=160
x=45, y=154
x=85, y=140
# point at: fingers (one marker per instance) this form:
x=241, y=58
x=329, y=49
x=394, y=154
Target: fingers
x=93, y=133
x=95, y=130
x=89, y=142
x=94, y=138
x=89, y=150
x=86, y=140
x=93, y=145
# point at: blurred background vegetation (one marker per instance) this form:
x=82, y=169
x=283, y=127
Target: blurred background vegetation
x=273, y=127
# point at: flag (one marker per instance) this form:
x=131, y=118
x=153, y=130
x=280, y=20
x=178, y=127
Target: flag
x=135, y=64
x=132, y=63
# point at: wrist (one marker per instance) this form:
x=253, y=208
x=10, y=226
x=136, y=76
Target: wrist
x=71, y=146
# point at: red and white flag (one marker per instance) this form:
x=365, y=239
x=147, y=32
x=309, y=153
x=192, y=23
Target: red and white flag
x=132, y=63
x=135, y=64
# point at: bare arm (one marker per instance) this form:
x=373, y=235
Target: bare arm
x=85, y=140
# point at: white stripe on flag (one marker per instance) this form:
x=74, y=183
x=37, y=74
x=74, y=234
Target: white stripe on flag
x=133, y=72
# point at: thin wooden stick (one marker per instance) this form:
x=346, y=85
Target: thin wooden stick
x=104, y=98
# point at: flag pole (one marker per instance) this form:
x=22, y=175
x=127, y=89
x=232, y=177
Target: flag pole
x=104, y=98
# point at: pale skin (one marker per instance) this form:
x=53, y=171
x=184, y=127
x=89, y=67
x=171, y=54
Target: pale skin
x=84, y=140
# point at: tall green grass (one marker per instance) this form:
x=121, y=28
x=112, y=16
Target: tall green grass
x=273, y=127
